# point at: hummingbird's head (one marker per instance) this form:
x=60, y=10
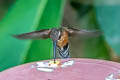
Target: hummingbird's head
x=54, y=34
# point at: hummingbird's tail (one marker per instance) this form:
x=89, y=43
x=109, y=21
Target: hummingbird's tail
x=64, y=51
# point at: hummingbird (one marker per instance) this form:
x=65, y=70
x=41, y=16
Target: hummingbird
x=60, y=37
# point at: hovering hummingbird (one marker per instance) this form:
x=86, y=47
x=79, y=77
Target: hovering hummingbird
x=60, y=37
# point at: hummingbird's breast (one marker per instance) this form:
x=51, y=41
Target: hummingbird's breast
x=63, y=39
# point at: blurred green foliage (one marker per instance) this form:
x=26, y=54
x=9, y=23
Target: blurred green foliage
x=25, y=16
x=108, y=17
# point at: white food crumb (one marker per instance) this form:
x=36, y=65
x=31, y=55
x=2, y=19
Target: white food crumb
x=110, y=77
x=53, y=66
x=46, y=64
x=42, y=64
x=68, y=63
x=45, y=69
x=32, y=66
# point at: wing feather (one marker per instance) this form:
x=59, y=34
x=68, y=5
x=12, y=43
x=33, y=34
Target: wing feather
x=83, y=33
x=41, y=34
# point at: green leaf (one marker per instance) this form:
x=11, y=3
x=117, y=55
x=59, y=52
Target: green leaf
x=108, y=16
x=23, y=17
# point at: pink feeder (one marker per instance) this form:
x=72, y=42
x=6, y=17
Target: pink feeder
x=67, y=69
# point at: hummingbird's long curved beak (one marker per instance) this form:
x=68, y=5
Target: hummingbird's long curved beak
x=54, y=50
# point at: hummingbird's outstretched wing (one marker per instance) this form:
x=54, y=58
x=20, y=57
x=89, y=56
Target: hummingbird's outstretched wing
x=41, y=34
x=83, y=33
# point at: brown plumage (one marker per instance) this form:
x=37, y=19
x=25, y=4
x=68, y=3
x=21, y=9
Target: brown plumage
x=63, y=40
